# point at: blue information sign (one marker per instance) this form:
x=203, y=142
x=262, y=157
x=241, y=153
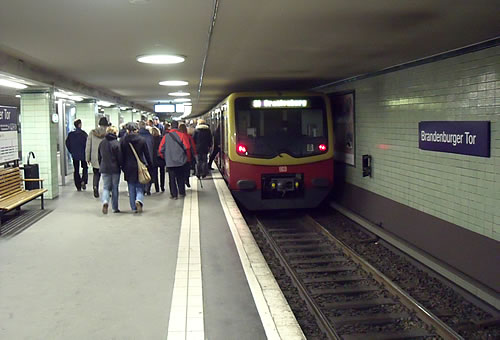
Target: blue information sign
x=8, y=118
x=464, y=137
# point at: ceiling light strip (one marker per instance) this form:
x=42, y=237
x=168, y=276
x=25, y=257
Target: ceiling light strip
x=210, y=32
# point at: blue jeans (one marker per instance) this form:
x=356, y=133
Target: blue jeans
x=136, y=193
x=110, y=183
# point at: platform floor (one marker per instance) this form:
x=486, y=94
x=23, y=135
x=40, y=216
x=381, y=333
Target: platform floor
x=183, y=269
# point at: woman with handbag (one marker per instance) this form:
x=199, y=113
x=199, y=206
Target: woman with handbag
x=134, y=154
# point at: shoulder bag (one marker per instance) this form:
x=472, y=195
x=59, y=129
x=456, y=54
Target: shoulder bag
x=143, y=173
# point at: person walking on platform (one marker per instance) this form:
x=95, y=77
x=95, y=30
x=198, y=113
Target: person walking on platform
x=158, y=125
x=158, y=162
x=110, y=160
x=173, y=149
x=190, y=152
x=91, y=151
x=203, y=140
x=216, y=147
x=129, y=164
x=76, y=142
x=148, y=138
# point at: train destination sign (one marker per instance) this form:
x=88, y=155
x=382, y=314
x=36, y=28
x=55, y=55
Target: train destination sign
x=461, y=137
x=279, y=103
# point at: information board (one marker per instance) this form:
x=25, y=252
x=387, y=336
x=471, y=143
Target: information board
x=8, y=134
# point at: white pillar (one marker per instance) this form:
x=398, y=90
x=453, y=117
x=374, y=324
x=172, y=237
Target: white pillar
x=40, y=135
x=114, y=115
x=86, y=111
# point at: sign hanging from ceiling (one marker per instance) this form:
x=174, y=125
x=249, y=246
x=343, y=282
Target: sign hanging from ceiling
x=461, y=137
x=9, y=150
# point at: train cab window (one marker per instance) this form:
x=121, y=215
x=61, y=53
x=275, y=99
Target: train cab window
x=268, y=132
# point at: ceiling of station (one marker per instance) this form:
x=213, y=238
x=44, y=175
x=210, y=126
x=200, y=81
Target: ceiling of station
x=255, y=45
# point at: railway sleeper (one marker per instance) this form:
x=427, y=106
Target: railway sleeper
x=329, y=279
x=344, y=291
x=283, y=234
x=328, y=269
x=414, y=333
x=359, y=304
x=313, y=253
x=302, y=239
x=319, y=261
x=371, y=319
x=303, y=246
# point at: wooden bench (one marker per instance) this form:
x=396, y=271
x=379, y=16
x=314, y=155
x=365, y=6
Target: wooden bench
x=12, y=192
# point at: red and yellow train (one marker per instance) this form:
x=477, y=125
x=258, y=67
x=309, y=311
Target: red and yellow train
x=276, y=148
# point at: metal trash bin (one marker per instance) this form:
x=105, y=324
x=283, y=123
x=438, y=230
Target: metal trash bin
x=31, y=171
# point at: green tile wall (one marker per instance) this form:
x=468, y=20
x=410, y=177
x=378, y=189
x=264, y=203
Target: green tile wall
x=39, y=134
x=464, y=190
x=86, y=112
x=114, y=115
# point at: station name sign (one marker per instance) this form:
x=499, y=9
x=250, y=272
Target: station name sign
x=463, y=137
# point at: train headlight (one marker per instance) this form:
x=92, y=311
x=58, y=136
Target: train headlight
x=273, y=185
x=241, y=149
x=322, y=147
x=297, y=185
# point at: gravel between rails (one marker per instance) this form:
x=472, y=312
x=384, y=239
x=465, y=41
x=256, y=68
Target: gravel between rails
x=440, y=299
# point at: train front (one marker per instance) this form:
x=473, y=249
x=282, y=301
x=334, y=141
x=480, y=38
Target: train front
x=280, y=150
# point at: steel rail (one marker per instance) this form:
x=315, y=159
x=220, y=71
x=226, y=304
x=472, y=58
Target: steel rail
x=423, y=314
x=321, y=318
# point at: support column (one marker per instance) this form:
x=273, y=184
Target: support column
x=136, y=115
x=114, y=115
x=40, y=135
x=128, y=116
x=86, y=111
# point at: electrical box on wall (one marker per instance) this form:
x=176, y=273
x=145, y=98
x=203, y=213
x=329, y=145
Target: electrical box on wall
x=367, y=165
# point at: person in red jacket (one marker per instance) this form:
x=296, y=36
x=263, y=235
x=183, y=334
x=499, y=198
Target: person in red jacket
x=174, y=150
x=191, y=153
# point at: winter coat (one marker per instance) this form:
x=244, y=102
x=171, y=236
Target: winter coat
x=148, y=138
x=217, y=137
x=76, y=143
x=191, y=151
x=92, y=149
x=173, y=148
x=157, y=160
x=202, y=138
x=110, y=156
x=129, y=162
x=160, y=127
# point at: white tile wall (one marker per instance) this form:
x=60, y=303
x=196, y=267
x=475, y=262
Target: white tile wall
x=39, y=134
x=464, y=190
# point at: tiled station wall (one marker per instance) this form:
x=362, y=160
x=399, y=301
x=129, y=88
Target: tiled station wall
x=463, y=190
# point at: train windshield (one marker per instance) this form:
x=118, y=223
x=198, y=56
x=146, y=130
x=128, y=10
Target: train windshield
x=269, y=127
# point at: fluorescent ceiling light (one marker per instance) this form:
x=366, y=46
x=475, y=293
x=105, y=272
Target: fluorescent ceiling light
x=104, y=103
x=123, y=107
x=173, y=83
x=18, y=96
x=8, y=83
x=179, y=94
x=182, y=100
x=160, y=59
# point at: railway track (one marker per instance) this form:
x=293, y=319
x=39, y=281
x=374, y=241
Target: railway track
x=349, y=298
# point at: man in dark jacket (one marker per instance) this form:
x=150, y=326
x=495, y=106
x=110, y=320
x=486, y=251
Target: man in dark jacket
x=75, y=143
x=110, y=160
x=129, y=164
x=203, y=141
x=158, y=125
x=216, y=147
x=148, y=138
